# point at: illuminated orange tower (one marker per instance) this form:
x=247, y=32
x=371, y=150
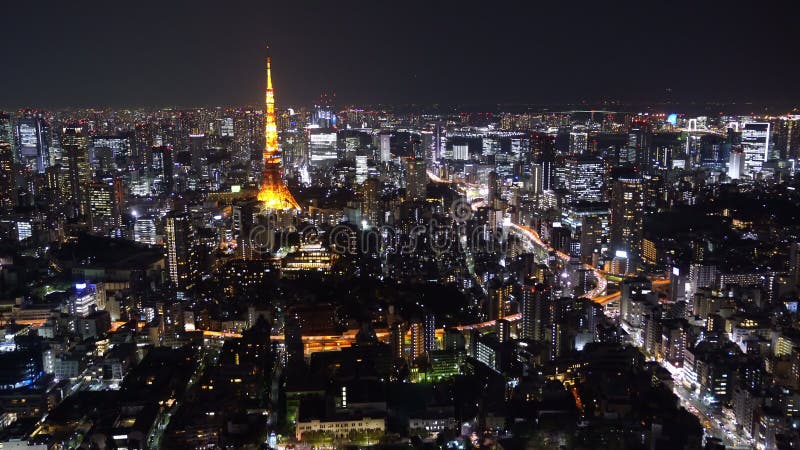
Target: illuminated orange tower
x=273, y=193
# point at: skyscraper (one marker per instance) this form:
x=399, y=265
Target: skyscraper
x=755, y=143
x=105, y=202
x=362, y=169
x=144, y=231
x=6, y=129
x=75, y=148
x=787, y=137
x=396, y=340
x=161, y=168
x=8, y=194
x=737, y=164
x=499, y=298
x=243, y=215
x=273, y=193
x=179, y=237
x=416, y=178
x=430, y=332
x=33, y=143
x=417, y=340
x=322, y=147
x=534, y=298
x=578, y=142
x=370, y=201
x=584, y=178
x=385, y=149
x=626, y=216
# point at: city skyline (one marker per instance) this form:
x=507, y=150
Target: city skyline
x=481, y=262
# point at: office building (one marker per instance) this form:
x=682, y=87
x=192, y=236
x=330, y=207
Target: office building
x=736, y=166
x=144, y=231
x=8, y=188
x=33, y=143
x=385, y=147
x=322, y=147
x=75, y=148
x=755, y=144
x=179, y=240
x=534, y=311
x=578, y=142
x=627, y=216
x=584, y=179
x=416, y=178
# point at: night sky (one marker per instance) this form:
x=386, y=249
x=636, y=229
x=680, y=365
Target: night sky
x=196, y=53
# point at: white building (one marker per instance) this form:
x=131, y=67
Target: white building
x=755, y=143
x=144, y=231
x=736, y=165
x=339, y=428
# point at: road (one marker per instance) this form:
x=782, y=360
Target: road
x=715, y=423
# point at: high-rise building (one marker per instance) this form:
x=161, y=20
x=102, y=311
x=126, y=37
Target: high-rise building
x=589, y=221
x=8, y=188
x=737, y=163
x=499, y=300
x=243, y=216
x=385, y=147
x=578, y=142
x=416, y=178
x=534, y=310
x=787, y=137
x=323, y=115
x=179, y=240
x=75, y=148
x=370, y=201
x=417, y=340
x=439, y=141
x=396, y=340
x=109, y=152
x=584, y=179
x=226, y=127
x=491, y=190
x=461, y=152
x=322, y=147
x=162, y=168
x=362, y=169
x=273, y=193
x=626, y=216
x=33, y=143
x=144, y=231
x=547, y=175
x=430, y=332
x=6, y=129
x=535, y=182
x=104, y=207
x=755, y=143
x=555, y=332
x=503, y=330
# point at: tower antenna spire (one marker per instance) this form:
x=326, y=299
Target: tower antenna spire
x=273, y=193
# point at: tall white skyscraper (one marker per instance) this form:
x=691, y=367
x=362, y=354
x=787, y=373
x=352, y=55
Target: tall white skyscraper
x=322, y=147
x=385, y=148
x=461, y=152
x=585, y=178
x=736, y=164
x=361, y=169
x=144, y=231
x=755, y=143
